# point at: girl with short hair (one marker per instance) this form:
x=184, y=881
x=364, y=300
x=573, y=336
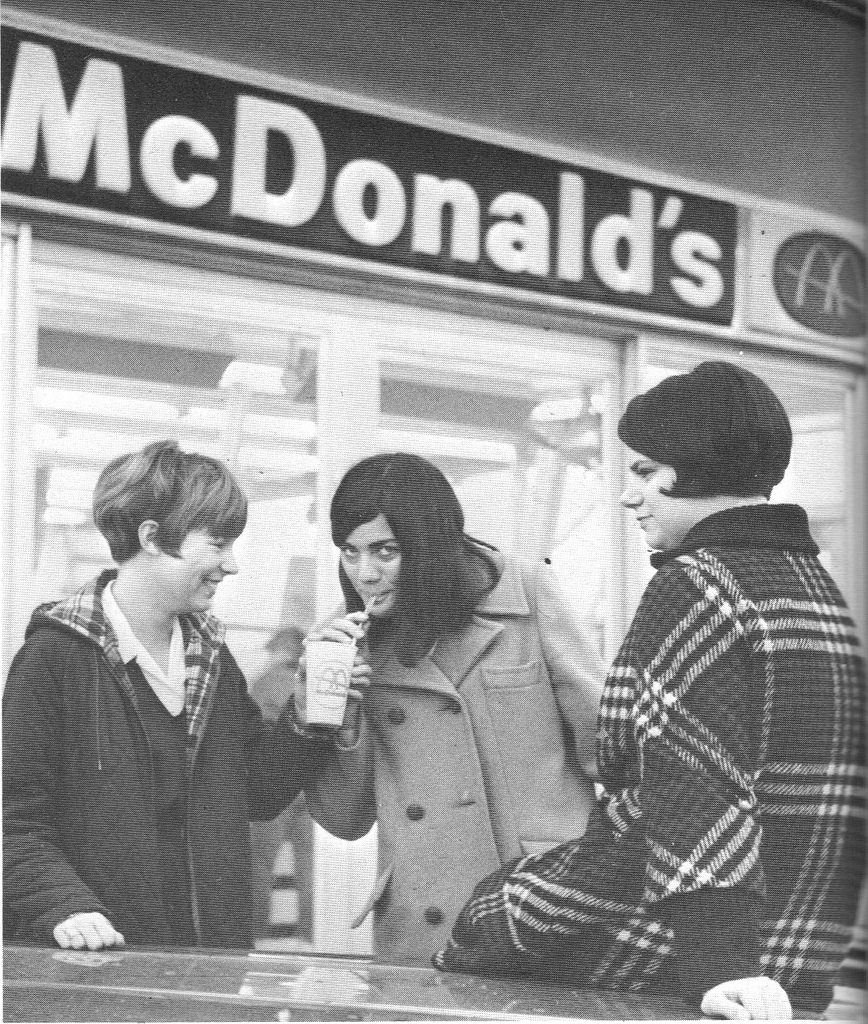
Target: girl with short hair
x=133, y=758
x=724, y=856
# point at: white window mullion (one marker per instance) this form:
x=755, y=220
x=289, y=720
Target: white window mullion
x=348, y=413
x=19, y=374
x=855, y=482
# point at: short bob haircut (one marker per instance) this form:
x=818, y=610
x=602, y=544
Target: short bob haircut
x=180, y=491
x=444, y=573
x=721, y=428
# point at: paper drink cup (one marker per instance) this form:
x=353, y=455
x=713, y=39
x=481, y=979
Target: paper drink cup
x=329, y=666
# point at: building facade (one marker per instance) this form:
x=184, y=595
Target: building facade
x=291, y=278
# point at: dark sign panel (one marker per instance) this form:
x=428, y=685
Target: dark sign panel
x=107, y=131
x=820, y=282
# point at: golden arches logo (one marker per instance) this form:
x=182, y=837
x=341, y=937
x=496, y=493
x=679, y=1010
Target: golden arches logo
x=333, y=679
x=820, y=282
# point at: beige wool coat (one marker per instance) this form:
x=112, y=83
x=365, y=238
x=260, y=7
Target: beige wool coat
x=480, y=753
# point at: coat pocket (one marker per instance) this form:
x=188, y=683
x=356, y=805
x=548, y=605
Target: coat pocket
x=524, y=711
x=530, y=736
x=377, y=892
x=511, y=677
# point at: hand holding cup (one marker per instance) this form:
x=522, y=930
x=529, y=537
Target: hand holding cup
x=332, y=670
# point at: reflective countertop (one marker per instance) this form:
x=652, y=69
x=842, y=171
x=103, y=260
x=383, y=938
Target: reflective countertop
x=42, y=984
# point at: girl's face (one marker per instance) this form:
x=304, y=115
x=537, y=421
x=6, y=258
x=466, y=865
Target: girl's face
x=665, y=521
x=190, y=579
x=371, y=557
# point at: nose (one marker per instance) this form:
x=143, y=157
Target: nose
x=228, y=563
x=630, y=497
x=369, y=570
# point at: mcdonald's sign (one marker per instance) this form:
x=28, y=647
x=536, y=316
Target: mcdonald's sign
x=112, y=133
x=820, y=282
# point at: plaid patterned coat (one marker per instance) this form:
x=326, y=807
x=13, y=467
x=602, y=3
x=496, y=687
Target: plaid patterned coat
x=731, y=755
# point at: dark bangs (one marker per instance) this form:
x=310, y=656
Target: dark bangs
x=442, y=577
x=412, y=493
x=360, y=498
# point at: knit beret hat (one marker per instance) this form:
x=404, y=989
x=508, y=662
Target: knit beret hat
x=722, y=428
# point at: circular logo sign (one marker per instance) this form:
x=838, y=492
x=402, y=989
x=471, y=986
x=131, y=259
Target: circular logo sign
x=820, y=282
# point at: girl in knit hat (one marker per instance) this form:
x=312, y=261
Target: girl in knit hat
x=724, y=856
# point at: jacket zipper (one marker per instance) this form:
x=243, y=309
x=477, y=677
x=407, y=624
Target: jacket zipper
x=194, y=905
x=149, y=751
x=194, y=899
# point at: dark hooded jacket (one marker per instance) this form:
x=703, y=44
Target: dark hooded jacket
x=79, y=831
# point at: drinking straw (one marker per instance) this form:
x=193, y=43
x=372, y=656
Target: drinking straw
x=368, y=607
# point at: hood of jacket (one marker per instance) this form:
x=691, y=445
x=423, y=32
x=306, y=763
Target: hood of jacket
x=204, y=635
x=83, y=614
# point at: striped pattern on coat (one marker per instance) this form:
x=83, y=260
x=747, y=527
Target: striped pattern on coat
x=731, y=753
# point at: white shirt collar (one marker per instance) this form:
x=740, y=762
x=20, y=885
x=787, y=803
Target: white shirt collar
x=168, y=686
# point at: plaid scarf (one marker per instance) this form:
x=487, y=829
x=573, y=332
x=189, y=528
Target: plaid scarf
x=203, y=634
x=731, y=753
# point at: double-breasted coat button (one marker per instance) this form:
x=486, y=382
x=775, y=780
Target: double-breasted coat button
x=434, y=915
x=396, y=715
x=415, y=812
x=466, y=798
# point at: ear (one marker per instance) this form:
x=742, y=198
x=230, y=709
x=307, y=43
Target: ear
x=148, y=531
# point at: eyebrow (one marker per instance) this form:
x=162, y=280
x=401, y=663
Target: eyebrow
x=374, y=544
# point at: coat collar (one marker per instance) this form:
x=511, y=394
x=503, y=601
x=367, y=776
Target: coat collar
x=203, y=634
x=83, y=613
x=455, y=654
x=780, y=527
x=508, y=597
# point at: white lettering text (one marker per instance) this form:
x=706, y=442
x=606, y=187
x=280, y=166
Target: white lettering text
x=691, y=252
x=255, y=118
x=571, y=228
x=519, y=245
x=390, y=210
x=157, y=161
x=96, y=123
x=431, y=196
x=637, y=231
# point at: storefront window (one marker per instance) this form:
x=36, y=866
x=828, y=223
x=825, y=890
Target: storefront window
x=290, y=387
x=526, y=458
x=98, y=397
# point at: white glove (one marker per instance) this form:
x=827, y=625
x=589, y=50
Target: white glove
x=747, y=999
x=91, y=929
